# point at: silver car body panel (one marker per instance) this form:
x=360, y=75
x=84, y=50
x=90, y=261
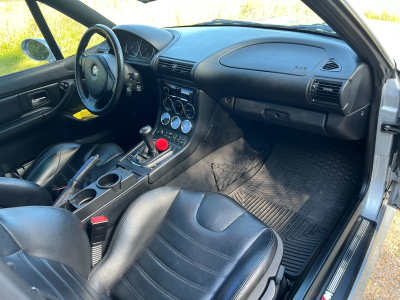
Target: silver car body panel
x=373, y=207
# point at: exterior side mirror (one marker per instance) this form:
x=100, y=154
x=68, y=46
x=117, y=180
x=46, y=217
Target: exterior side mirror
x=37, y=49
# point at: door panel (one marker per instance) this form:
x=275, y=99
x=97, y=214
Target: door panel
x=32, y=116
x=10, y=109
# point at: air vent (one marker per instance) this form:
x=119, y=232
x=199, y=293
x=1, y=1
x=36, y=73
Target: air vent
x=175, y=69
x=326, y=92
x=331, y=66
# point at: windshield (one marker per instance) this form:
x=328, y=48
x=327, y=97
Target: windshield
x=383, y=18
x=171, y=13
x=288, y=13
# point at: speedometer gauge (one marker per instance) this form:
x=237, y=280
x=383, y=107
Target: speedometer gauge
x=146, y=50
x=132, y=47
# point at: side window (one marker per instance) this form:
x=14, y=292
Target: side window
x=22, y=45
x=66, y=31
x=13, y=32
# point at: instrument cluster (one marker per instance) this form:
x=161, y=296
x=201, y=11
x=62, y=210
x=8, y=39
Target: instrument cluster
x=137, y=49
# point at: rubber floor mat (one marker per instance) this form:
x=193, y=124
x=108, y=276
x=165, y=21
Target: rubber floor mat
x=227, y=173
x=301, y=191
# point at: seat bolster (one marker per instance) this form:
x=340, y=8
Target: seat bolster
x=16, y=192
x=49, y=233
x=252, y=267
x=50, y=162
x=136, y=227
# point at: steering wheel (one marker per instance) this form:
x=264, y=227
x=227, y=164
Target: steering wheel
x=103, y=73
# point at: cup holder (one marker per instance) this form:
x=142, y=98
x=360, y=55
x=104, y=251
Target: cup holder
x=84, y=197
x=109, y=181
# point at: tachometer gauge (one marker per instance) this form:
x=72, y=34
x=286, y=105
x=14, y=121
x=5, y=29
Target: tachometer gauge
x=132, y=47
x=146, y=50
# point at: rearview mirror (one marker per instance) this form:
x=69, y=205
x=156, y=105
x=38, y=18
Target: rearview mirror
x=37, y=49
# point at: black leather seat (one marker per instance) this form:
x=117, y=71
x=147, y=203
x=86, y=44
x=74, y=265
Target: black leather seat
x=169, y=244
x=56, y=165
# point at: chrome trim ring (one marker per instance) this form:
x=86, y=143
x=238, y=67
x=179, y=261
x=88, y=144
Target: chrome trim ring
x=172, y=121
x=190, y=128
x=165, y=106
x=184, y=108
x=165, y=118
x=178, y=113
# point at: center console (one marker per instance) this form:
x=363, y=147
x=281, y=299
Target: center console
x=176, y=123
x=174, y=129
x=178, y=113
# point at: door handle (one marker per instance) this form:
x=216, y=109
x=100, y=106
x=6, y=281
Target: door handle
x=38, y=98
x=38, y=101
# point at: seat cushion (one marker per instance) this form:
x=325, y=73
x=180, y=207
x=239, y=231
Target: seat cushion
x=180, y=244
x=56, y=165
x=169, y=244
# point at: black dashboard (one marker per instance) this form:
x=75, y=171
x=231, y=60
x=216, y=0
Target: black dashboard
x=301, y=80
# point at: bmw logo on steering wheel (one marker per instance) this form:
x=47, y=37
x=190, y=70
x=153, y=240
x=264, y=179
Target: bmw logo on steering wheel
x=95, y=71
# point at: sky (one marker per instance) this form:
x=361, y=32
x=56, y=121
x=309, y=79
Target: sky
x=391, y=6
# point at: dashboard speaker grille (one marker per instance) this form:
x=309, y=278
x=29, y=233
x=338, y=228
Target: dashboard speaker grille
x=326, y=92
x=332, y=66
x=175, y=69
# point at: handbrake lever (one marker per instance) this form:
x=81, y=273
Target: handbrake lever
x=75, y=184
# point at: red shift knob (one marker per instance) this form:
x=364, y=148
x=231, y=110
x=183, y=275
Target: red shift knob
x=161, y=144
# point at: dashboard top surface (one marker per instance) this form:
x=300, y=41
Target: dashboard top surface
x=196, y=43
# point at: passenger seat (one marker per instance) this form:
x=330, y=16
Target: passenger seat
x=170, y=243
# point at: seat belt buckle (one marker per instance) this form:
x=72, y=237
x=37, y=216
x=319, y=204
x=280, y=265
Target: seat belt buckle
x=98, y=233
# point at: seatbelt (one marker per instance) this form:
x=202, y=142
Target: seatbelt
x=98, y=233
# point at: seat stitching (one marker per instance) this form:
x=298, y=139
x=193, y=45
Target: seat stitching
x=198, y=244
x=80, y=284
x=123, y=218
x=59, y=159
x=177, y=275
x=154, y=283
x=131, y=287
x=267, y=249
x=188, y=259
x=59, y=277
x=40, y=275
x=151, y=236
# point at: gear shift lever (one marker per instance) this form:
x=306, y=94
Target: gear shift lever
x=147, y=137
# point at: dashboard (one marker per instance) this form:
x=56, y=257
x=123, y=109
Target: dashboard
x=295, y=79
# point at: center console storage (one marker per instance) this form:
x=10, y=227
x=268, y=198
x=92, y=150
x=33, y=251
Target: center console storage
x=105, y=191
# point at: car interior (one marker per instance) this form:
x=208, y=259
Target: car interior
x=221, y=161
